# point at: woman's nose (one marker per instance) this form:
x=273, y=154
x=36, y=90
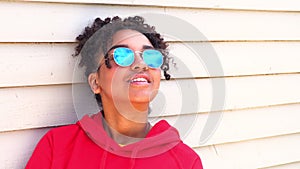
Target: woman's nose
x=139, y=64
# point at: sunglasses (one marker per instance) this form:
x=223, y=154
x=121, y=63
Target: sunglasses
x=125, y=57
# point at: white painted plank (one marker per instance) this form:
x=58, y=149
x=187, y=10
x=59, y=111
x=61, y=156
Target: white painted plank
x=16, y=147
x=293, y=165
x=287, y=5
x=238, y=25
x=251, y=154
x=244, y=92
x=36, y=64
x=44, y=64
x=32, y=107
x=52, y=105
x=237, y=125
x=234, y=58
x=38, y=22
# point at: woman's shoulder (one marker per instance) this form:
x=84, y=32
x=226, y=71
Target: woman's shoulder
x=64, y=130
x=58, y=145
x=63, y=134
x=187, y=156
x=184, y=150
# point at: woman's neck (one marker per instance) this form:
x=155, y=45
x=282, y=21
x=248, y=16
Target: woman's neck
x=126, y=126
x=129, y=137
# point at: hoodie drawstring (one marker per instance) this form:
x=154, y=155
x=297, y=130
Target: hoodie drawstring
x=103, y=161
x=134, y=156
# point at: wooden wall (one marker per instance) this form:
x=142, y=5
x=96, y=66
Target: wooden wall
x=256, y=42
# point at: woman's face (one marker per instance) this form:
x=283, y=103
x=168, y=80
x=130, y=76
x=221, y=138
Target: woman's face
x=134, y=84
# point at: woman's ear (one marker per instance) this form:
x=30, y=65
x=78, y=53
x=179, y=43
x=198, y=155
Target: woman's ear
x=94, y=84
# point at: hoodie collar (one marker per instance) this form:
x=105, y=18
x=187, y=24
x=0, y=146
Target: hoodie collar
x=161, y=138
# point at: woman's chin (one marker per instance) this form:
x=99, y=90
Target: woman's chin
x=142, y=98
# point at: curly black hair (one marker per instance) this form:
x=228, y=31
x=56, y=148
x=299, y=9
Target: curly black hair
x=95, y=38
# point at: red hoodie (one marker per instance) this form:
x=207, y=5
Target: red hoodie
x=86, y=145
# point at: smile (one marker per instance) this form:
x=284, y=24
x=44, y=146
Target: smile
x=140, y=79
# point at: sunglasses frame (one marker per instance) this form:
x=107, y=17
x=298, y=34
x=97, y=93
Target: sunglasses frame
x=141, y=53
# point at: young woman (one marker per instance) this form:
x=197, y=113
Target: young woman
x=123, y=60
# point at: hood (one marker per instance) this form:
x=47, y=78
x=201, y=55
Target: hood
x=161, y=138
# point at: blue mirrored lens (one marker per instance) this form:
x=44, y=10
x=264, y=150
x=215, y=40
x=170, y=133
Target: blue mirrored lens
x=153, y=58
x=123, y=56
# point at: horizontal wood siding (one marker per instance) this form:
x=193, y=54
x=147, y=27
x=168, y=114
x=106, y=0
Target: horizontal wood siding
x=257, y=44
x=52, y=105
x=39, y=22
x=236, y=58
x=258, y=153
x=276, y=5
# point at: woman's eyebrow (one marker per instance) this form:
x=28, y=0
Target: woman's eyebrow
x=126, y=46
x=117, y=46
x=148, y=47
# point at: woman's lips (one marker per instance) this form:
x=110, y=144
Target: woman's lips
x=140, y=79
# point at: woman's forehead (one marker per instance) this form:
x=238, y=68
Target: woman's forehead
x=129, y=36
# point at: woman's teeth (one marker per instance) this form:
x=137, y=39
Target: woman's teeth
x=139, y=80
